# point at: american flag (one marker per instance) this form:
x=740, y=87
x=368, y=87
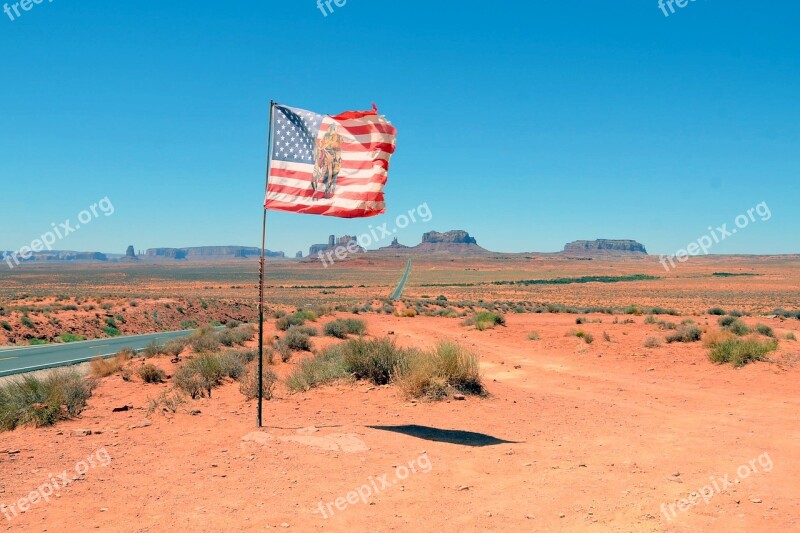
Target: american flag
x=329, y=165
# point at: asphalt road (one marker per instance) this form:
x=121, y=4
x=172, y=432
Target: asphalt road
x=398, y=292
x=30, y=358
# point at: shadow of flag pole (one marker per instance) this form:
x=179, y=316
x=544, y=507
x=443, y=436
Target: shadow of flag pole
x=261, y=276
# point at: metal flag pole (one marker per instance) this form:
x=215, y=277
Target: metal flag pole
x=261, y=277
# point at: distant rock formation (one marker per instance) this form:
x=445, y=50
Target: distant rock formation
x=455, y=242
x=56, y=255
x=395, y=246
x=333, y=242
x=450, y=237
x=209, y=252
x=298, y=255
x=130, y=252
x=604, y=246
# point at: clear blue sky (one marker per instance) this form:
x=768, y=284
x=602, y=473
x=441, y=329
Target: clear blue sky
x=529, y=124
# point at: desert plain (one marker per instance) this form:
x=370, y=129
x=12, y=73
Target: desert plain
x=590, y=420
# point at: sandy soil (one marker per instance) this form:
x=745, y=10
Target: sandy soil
x=573, y=437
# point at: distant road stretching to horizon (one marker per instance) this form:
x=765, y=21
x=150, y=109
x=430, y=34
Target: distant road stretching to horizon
x=31, y=358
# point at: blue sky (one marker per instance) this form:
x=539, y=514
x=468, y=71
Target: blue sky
x=529, y=124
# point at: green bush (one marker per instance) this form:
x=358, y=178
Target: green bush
x=343, y=327
x=534, y=336
x=27, y=322
x=373, y=360
x=319, y=370
x=718, y=311
x=739, y=352
x=686, y=333
x=5, y=325
x=204, y=340
x=297, y=339
x=652, y=342
x=69, y=337
x=205, y=372
x=790, y=336
x=765, y=330
x=111, y=332
x=38, y=402
x=734, y=325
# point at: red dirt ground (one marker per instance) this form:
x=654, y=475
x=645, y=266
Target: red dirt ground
x=591, y=438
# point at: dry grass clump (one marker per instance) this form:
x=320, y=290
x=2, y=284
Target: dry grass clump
x=298, y=318
x=740, y=351
x=485, y=320
x=435, y=375
x=588, y=338
x=534, y=336
x=248, y=382
x=35, y=401
x=686, y=333
x=652, y=342
x=205, y=372
x=151, y=374
x=420, y=374
x=101, y=368
x=166, y=402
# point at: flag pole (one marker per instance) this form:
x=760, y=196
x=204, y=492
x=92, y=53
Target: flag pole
x=261, y=277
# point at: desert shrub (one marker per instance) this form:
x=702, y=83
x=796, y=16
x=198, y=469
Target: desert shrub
x=321, y=369
x=373, y=359
x=38, y=402
x=434, y=375
x=151, y=350
x=790, y=336
x=534, y=336
x=735, y=326
x=189, y=381
x=37, y=342
x=5, y=325
x=283, y=351
x=100, y=368
x=205, y=372
x=409, y=312
x=343, y=327
x=650, y=319
x=69, y=337
x=633, y=310
x=111, y=331
x=652, y=342
x=204, y=340
x=248, y=382
x=687, y=333
x=297, y=339
x=765, y=330
x=236, y=336
x=174, y=347
x=726, y=321
x=151, y=373
x=606, y=336
x=687, y=321
x=736, y=313
x=231, y=324
x=166, y=402
x=717, y=311
x=666, y=324
x=740, y=351
x=27, y=322
x=588, y=338
x=581, y=320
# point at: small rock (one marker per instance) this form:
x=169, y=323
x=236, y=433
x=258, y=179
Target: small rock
x=463, y=487
x=121, y=409
x=80, y=432
x=142, y=424
x=755, y=500
x=530, y=517
x=195, y=412
x=285, y=524
x=459, y=397
x=562, y=515
x=104, y=509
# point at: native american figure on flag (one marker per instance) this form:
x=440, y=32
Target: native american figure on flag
x=327, y=163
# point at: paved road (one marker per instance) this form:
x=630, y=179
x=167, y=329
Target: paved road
x=398, y=292
x=30, y=358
